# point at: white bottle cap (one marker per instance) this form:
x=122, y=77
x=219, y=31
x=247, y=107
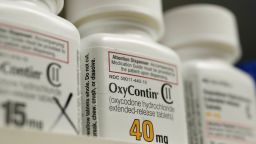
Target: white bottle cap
x=55, y=5
x=147, y=12
x=203, y=24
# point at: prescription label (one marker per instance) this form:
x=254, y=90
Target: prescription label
x=220, y=110
x=131, y=97
x=38, y=80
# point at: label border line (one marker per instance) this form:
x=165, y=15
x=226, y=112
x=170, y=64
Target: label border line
x=32, y=53
x=175, y=66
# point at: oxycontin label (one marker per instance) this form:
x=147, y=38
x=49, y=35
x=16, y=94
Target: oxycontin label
x=38, y=79
x=131, y=97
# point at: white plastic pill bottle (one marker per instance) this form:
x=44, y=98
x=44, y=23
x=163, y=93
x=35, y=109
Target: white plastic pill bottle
x=131, y=86
x=38, y=67
x=220, y=98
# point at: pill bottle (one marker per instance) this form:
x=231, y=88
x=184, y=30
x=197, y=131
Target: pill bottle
x=219, y=98
x=38, y=67
x=131, y=86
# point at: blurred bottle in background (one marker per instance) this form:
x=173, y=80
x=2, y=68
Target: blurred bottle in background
x=219, y=98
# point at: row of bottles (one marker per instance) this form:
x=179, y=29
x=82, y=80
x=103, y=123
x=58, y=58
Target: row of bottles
x=109, y=77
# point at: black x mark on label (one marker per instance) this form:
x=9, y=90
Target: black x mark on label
x=63, y=113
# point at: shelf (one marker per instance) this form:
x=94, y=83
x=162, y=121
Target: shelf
x=9, y=136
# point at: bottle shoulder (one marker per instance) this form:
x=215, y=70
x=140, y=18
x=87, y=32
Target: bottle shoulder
x=127, y=43
x=13, y=14
x=215, y=68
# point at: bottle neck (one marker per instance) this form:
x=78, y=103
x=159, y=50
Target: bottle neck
x=117, y=26
x=205, y=53
x=39, y=5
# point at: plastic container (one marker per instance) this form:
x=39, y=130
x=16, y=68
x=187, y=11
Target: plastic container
x=219, y=98
x=131, y=86
x=38, y=67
